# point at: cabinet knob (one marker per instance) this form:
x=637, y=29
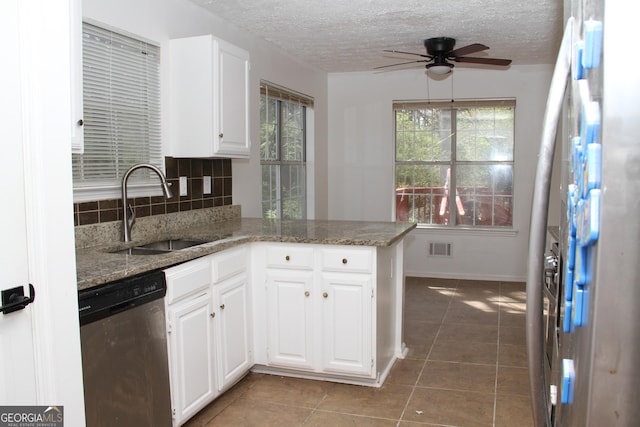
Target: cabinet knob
x=213, y=314
x=306, y=293
x=80, y=122
x=325, y=295
x=221, y=135
x=344, y=260
x=222, y=307
x=287, y=258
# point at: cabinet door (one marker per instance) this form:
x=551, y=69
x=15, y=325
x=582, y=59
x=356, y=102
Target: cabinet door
x=234, y=357
x=232, y=99
x=191, y=355
x=347, y=301
x=290, y=318
x=209, y=98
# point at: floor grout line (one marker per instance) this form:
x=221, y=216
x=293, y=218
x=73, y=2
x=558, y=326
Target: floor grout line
x=495, y=389
x=415, y=385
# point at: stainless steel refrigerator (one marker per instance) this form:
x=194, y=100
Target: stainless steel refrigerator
x=583, y=302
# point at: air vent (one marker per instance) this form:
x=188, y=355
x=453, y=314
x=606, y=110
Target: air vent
x=439, y=249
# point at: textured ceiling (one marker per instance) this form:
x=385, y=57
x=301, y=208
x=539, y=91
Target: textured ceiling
x=350, y=35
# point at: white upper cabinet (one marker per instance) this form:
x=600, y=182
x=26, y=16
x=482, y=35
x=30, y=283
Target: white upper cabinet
x=209, y=108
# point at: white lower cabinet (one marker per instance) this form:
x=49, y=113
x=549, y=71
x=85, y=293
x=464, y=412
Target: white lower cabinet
x=290, y=318
x=347, y=301
x=234, y=355
x=192, y=356
x=327, y=311
x=208, y=329
x=319, y=319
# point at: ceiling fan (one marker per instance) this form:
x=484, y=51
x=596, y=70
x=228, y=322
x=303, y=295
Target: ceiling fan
x=440, y=51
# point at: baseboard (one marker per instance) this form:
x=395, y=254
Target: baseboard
x=466, y=276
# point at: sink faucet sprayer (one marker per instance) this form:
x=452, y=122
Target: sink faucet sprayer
x=128, y=214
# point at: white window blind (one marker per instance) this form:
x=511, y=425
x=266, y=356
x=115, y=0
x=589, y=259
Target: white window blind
x=121, y=95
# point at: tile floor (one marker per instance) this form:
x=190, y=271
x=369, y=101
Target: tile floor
x=466, y=367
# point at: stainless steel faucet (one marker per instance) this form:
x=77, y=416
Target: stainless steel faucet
x=128, y=213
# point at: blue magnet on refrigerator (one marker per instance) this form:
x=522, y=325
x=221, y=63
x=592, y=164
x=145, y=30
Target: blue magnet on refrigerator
x=568, y=284
x=576, y=157
x=572, y=202
x=577, y=70
x=589, y=123
x=580, y=306
x=593, y=168
x=592, y=44
x=571, y=253
x=567, y=324
x=589, y=219
x=580, y=272
x=568, y=381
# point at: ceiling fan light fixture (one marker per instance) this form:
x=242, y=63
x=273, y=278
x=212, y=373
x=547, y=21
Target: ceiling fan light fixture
x=440, y=68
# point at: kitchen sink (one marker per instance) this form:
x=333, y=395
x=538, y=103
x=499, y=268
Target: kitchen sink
x=172, y=244
x=160, y=247
x=140, y=251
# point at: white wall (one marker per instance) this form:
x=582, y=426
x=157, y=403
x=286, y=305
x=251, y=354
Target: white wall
x=162, y=20
x=361, y=156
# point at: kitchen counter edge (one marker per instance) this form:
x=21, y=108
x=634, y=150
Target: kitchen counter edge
x=98, y=265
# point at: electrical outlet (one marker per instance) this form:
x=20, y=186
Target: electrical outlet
x=184, y=191
x=206, y=184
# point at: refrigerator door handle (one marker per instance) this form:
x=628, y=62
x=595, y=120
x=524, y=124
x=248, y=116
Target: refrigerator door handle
x=538, y=230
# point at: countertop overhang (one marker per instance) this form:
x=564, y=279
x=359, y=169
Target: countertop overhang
x=96, y=265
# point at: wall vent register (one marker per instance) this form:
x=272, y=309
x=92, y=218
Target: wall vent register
x=440, y=249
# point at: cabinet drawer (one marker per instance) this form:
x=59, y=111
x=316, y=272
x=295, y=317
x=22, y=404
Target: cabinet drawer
x=288, y=256
x=228, y=264
x=187, y=279
x=347, y=259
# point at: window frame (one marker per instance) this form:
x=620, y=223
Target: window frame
x=141, y=183
x=282, y=95
x=453, y=163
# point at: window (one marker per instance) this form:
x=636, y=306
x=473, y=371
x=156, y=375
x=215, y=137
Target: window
x=121, y=96
x=454, y=163
x=283, y=128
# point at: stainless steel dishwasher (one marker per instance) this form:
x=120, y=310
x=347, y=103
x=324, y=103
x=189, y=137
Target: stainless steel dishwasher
x=124, y=353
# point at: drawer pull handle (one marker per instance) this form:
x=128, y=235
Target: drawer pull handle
x=325, y=295
x=344, y=260
x=222, y=307
x=287, y=258
x=213, y=315
x=306, y=293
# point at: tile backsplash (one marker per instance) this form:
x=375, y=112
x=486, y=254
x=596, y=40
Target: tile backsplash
x=194, y=169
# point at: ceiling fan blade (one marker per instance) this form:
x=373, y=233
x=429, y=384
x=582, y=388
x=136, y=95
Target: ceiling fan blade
x=467, y=50
x=409, y=53
x=486, y=61
x=400, y=63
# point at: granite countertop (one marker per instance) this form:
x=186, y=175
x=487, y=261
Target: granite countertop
x=96, y=265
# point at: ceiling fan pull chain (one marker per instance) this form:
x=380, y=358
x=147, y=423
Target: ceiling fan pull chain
x=452, y=88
